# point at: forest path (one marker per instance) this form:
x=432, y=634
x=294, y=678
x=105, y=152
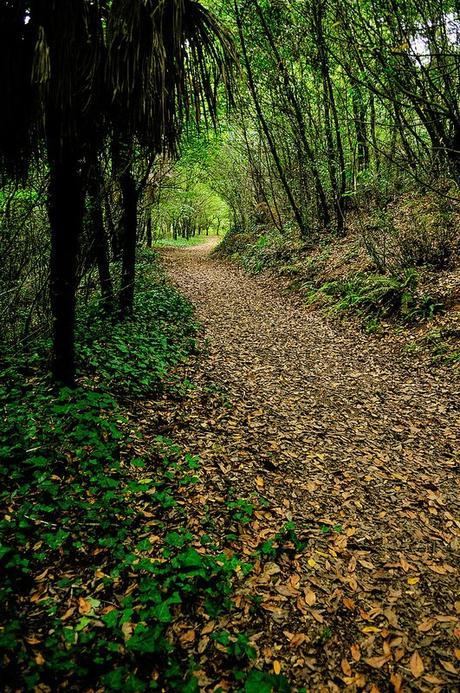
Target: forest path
x=359, y=448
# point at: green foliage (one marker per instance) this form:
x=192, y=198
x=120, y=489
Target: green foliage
x=285, y=541
x=133, y=357
x=74, y=505
x=242, y=510
x=262, y=682
x=180, y=242
x=238, y=647
x=96, y=556
x=441, y=344
x=378, y=296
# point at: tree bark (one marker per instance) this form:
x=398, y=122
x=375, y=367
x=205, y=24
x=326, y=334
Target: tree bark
x=273, y=150
x=65, y=207
x=148, y=230
x=129, y=238
x=100, y=239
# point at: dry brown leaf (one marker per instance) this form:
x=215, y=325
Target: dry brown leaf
x=202, y=645
x=32, y=640
x=84, y=607
x=70, y=611
x=310, y=597
x=348, y=603
x=346, y=668
x=355, y=652
x=127, y=630
x=435, y=680
x=386, y=648
x=317, y=616
x=448, y=666
x=438, y=569
x=416, y=665
x=187, y=637
x=396, y=681
x=298, y=639
x=378, y=662
x=404, y=564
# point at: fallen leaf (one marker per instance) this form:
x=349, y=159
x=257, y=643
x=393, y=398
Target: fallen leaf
x=68, y=613
x=404, y=564
x=32, y=640
x=430, y=678
x=355, y=652
x=84, y=607
x=127, y=630
x=187, y=637
x=346, y=668
x=416, y=665
x=378, y=662
x=276, y=667
x=396, y=681
x=448, y=666
x=310, y=597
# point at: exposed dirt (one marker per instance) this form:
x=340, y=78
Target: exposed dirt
x=355, y=444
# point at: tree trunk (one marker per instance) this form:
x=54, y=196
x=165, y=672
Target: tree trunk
x=100, y=239
x=148, y=231
x=270, y=140
x=66, y=220
x=128, y=241
x=114, y=234
x=323, y=209
x=335, y=154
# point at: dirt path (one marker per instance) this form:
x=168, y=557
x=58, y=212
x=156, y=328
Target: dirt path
x=359, y=449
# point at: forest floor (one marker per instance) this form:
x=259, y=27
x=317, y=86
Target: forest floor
x=320, y=425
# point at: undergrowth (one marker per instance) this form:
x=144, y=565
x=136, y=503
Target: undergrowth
x=133, y=357
x=97, y=560
x=181, y=242
x=377, y=296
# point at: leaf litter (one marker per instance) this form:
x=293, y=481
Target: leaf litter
x=347, y=456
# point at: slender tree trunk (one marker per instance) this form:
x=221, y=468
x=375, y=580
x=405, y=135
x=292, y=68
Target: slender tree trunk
x=122, y=156
x=374, y=140
x=271, y=143
x=66, y=220
x=323, y=209
x=114, y=236
x=359, y=117
x=336, y=158
x=148, y=231
x=129, y=238
x=95, y=192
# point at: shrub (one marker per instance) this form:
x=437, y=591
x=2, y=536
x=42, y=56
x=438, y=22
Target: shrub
x=381, y=296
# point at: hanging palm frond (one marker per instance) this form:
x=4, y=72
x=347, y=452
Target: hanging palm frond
x=166, y=58
x=51, y=71
x=18, y=107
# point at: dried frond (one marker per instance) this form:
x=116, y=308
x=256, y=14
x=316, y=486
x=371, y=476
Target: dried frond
x=166, y=58
x=16, y=113
x=51, y=71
